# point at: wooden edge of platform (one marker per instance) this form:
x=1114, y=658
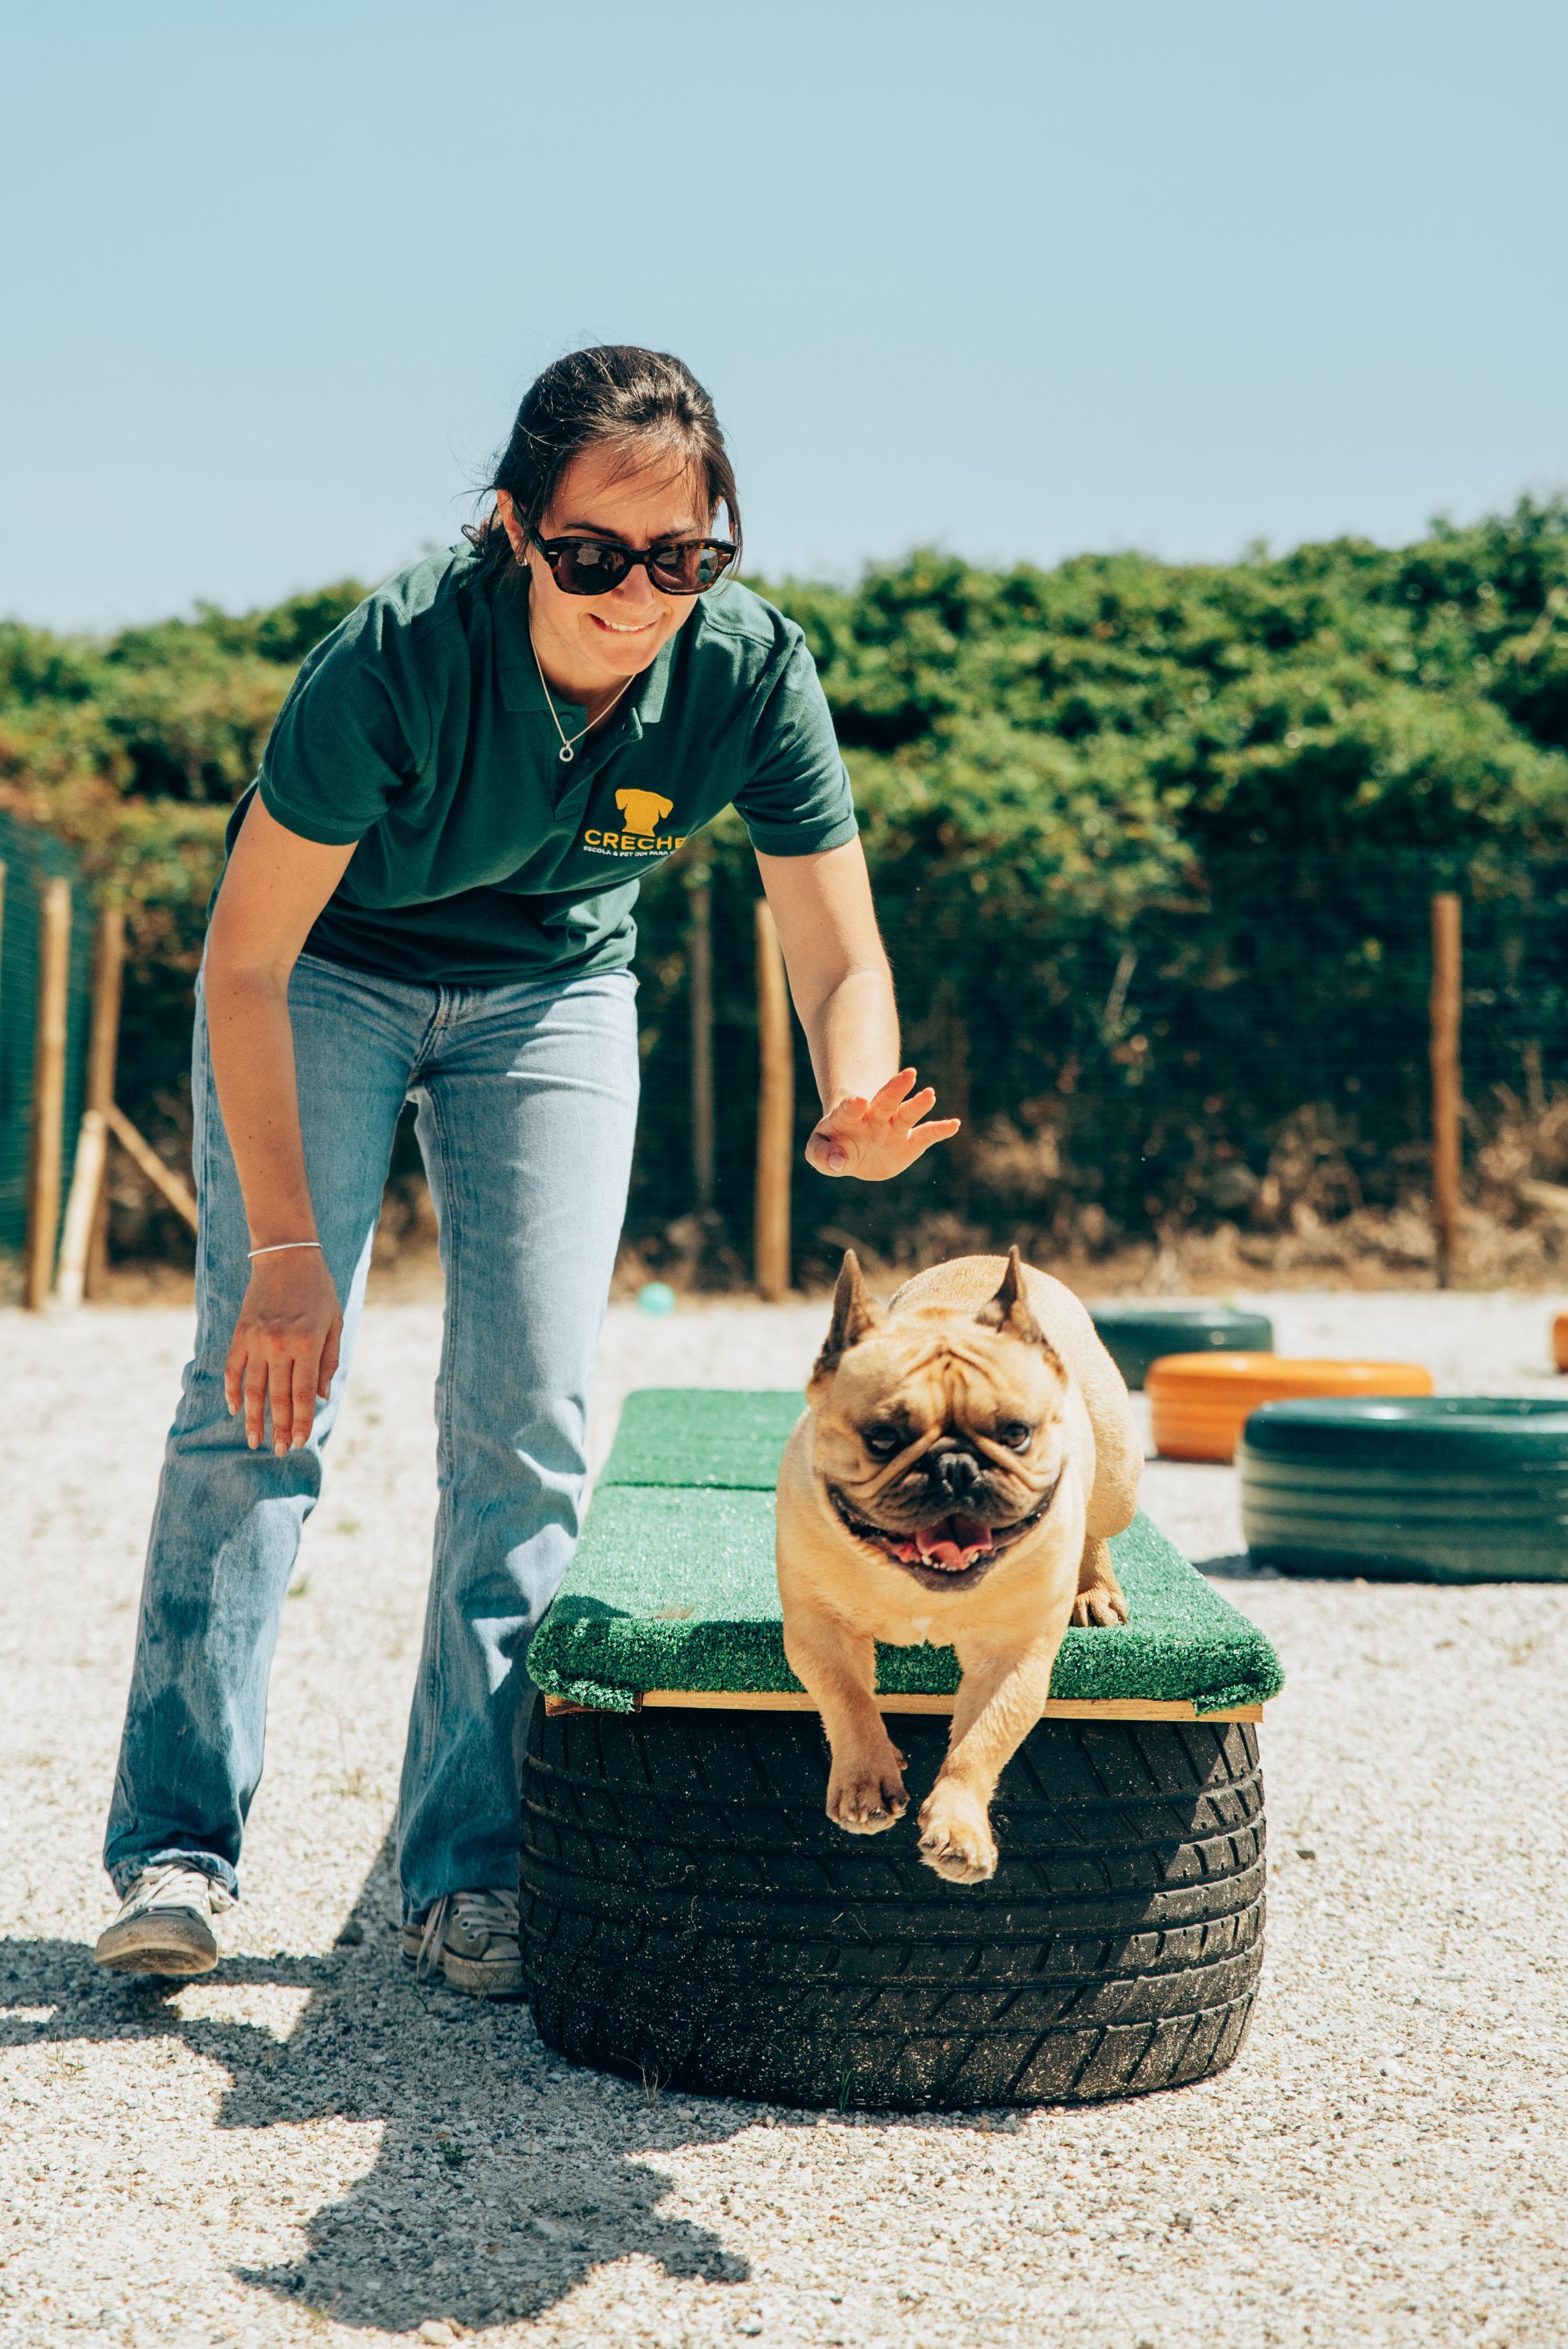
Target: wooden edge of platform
x=1115, y=1708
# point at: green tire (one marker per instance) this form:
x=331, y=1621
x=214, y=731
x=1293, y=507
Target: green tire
x=1135, y=1335
x=1430, y=1488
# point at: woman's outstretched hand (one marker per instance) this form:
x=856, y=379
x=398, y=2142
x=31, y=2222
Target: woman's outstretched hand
x=876, y=1139
x=285, y=1349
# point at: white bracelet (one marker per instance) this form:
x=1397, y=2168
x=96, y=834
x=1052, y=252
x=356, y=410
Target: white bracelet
x=279, y=1246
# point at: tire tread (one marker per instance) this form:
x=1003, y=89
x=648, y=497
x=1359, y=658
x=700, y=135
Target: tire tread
x=690, y=1914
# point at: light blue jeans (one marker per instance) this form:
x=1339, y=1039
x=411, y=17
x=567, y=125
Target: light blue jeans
x=526, y=1100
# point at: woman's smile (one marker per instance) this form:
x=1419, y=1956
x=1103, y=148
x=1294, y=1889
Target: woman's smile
x=623, y=627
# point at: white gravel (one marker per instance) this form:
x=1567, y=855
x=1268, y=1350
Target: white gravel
x=308, y=2148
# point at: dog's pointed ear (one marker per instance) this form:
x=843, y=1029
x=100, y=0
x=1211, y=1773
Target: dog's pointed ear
x=1010, y=1312
x=855, y=1313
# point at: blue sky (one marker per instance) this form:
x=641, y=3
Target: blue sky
x=1012, y=277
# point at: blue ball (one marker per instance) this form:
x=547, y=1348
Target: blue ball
x=657, y=1296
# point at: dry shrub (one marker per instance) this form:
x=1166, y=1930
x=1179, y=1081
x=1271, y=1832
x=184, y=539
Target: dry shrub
x=1525, y=1143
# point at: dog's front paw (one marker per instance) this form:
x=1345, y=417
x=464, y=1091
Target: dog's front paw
x=955, y=1836
x=1101, y=1603
x=866, y=1797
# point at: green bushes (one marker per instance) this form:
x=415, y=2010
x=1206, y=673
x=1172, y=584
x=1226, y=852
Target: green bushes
x=1151, y=841
x=133, y=752
x=1152, y=850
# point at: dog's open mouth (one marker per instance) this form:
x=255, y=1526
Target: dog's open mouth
x=952, y=1549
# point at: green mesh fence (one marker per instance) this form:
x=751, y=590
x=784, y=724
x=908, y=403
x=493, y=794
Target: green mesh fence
x=31, y=858
x=1254, y=1038
x=1260, y=1033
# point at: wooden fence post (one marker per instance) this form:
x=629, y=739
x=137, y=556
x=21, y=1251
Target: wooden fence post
x=699, y=973
x=45, y=1162
x=82, y=1244
x=1445, y=1057
x=147, y=1162
x=775, y=1111
x=103, y=1073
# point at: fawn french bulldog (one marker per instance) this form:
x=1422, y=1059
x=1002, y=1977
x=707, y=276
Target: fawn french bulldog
x=964, y=1454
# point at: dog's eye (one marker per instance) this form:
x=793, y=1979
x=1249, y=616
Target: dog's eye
x=1015, y=1433
x=883, y=1441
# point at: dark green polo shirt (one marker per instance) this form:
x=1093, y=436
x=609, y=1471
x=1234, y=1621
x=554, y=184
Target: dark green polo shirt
x=419, y=730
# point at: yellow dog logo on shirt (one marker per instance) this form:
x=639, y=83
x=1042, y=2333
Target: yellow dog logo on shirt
x=641, y=812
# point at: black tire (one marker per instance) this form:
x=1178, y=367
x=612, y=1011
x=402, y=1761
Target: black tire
x=691, y=1915
x=1135, y=1335
x=1444, y=1488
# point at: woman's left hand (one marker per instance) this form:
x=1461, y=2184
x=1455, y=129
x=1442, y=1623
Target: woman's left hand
x=874, y=1139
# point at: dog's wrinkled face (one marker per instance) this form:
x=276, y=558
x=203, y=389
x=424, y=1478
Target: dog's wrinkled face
x=938, y=1434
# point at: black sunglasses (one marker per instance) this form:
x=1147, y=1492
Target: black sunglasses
x=676, y=566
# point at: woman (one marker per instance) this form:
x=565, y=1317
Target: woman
x=429, y=896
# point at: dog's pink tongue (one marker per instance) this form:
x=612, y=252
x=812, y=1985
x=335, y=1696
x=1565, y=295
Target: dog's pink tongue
x=954, y=1544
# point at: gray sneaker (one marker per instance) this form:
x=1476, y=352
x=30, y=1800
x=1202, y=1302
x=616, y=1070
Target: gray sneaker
x=165, y=1924
x=475, y=1940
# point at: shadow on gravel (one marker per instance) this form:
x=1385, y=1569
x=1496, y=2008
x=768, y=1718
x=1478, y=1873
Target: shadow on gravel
x=503, y=2176
x=1236, y=1565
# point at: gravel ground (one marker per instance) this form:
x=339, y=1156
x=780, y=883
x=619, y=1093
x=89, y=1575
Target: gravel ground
x=306, y=2146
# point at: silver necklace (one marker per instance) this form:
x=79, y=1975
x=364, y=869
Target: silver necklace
x=568, y=749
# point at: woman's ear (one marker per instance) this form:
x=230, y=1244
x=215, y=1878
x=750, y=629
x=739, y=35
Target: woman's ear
x=509, y=522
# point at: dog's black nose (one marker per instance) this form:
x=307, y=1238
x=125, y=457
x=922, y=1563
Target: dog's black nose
x=957, y=1473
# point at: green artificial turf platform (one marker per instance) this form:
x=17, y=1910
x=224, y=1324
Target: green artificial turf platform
x=673, y=1585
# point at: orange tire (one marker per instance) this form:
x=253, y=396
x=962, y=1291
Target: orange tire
x=1560, y=1341
x=1200, y=1402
